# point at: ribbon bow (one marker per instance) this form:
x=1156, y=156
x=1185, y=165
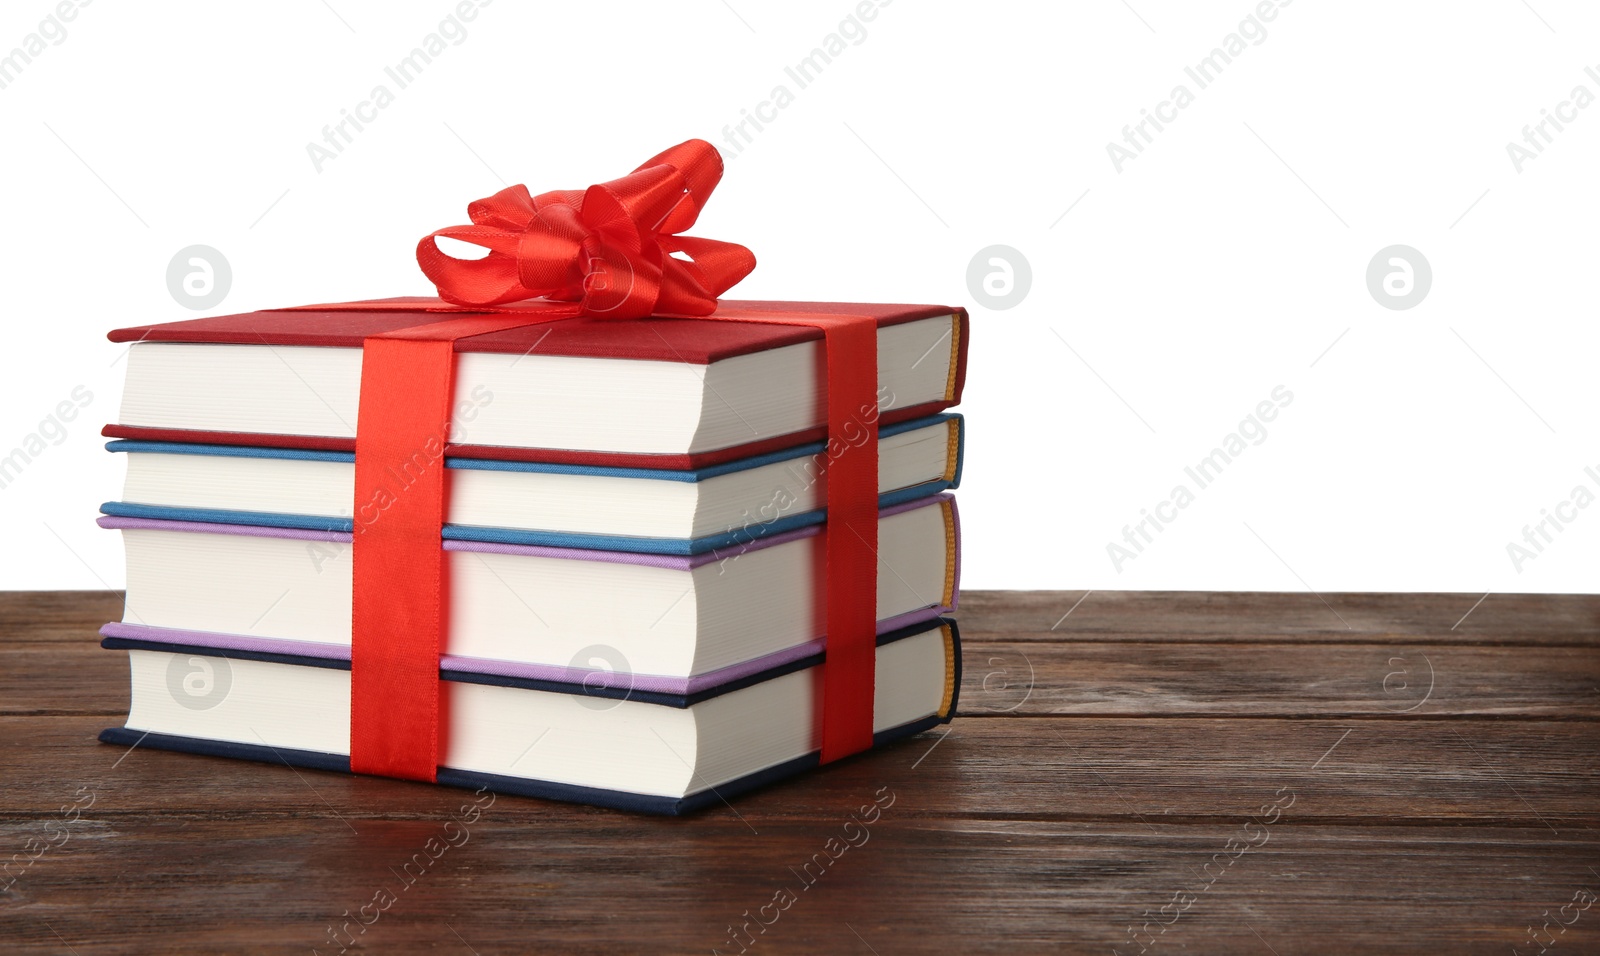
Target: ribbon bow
x=614, y=248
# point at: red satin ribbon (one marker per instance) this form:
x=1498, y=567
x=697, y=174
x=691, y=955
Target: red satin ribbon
x=574, y=247
x=851, y=533
x=609, y=247
x=398, y=606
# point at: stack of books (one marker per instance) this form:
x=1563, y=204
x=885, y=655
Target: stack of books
x=634, y=545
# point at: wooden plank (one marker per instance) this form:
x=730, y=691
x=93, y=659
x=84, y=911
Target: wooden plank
x=1535, y=774
x=61, y=677
x=1272, y=617
x=516, y=883
x=1081, y=678
x=67, y=616
x=1231, y=679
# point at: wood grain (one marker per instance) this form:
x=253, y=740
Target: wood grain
x=524, y=882
x=1337, y=680
x=67, y=616
x=1276, y=618
x=1445, y=788
x=1468, y=773
x=1029, y=678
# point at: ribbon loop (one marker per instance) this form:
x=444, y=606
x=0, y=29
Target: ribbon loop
x=607, y=248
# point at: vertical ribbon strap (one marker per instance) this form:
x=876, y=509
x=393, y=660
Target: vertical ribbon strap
x=850, y=345
x=848, y=671
x=398, y=608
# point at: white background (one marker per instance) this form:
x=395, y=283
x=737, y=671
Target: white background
x=1226, y=260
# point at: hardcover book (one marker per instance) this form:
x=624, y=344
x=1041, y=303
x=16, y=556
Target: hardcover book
x=654, y=392
x=531, y=611
x=656, y=511
x=615, y=746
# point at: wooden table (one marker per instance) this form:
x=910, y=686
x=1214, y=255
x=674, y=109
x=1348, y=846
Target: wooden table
x=1166, y=772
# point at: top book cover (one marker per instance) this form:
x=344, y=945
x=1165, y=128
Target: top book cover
x=662, y=392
